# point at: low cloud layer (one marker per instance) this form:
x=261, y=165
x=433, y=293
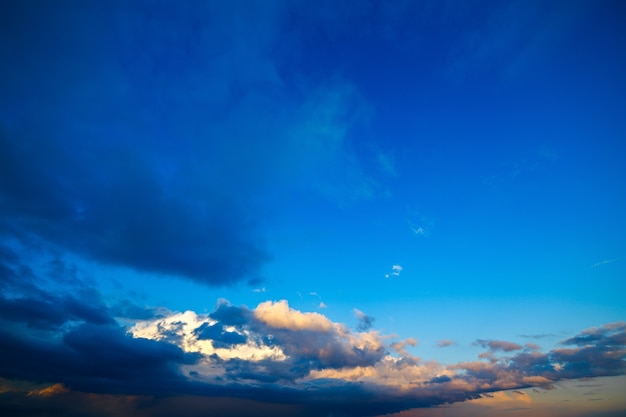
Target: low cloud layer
x=272, y=353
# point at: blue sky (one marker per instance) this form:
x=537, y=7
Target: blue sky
x=431, y=194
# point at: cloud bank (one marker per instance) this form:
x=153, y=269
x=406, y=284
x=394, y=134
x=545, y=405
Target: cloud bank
x=273, y=354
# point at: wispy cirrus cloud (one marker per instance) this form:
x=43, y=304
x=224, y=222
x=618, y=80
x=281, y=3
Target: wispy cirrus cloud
x=601, y=263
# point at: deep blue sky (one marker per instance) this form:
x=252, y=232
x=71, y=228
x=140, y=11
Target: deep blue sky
x=438, y=173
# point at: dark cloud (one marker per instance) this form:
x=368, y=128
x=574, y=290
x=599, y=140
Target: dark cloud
x=221, y=337
x=52, y=311
x=130, y=135
x=127, y=310
x=103, y=358
x=609, y=335
x=95, y=358
x=365, y=322
x=114, y=210
x=23, y=301
x=603, y=353
x=230, y=315
x=46, y=334
x=440, y=379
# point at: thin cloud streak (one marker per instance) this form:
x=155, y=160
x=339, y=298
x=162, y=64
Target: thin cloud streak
x=608, y=261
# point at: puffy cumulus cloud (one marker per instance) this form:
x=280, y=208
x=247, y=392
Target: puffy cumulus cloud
x=401, y=345
x=319, y=355
x=279, y=315
x=273, y=342
x=205, y=335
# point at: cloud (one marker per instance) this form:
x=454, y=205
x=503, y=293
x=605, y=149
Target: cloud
x=221, y=337
x=445, y=343
x=146, y=143
x=395, y=271
x=498, y=345
x=334, y=357
x=365, y=322
x=608, y=261
x=279, y=315
x=400, y=346
x=613, y=334
x=532, y=346
x=419, y=231
x=273, y=354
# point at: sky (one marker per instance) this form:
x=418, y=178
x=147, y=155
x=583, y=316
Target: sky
x=329, y=208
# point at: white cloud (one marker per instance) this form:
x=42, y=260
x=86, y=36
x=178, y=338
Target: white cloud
x=395, y=271
x=180, y=329
x=274, y=337
x=279, y=315
x=608, y=261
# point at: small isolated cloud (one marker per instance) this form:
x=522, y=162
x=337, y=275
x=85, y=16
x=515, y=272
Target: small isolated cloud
x=498, y=345
x=395, y=271
x=259, y=290
x=445, y=343
x=419, y=230
x=608, y=261
x=365, y=322
x=322, y=305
